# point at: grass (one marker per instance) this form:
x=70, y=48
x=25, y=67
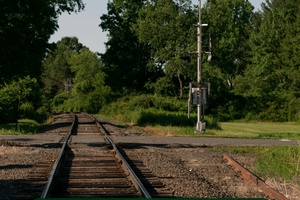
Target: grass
x=237, y=130
x=25, y=126
x=279, y=162
x=258, y=130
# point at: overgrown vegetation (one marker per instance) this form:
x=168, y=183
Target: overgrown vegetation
x=153, y=110
x=280, y=162
x=24, y=126
x=21, y=98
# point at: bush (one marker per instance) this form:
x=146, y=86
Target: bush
x=8, y=103
x=275, y=112
x=129, y=103
x=212, y=123
x=60, y=99
x=27, y=111
x=42, y=114
x=252, y=116
x=293, y=110
x=164, y=118
x=279, y=162
x=154, y=110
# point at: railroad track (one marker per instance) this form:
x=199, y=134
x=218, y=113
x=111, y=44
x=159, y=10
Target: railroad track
x=90, y=166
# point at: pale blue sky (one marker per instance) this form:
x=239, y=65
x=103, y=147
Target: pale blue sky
x=85, y=25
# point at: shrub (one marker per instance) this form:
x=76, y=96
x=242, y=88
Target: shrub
x=164, y=118
x=293, y=110
x=212, y=123
x=154, y=110
x=27, y=111
x=279, y=162
x=60, y=99
x=42, y=114
x=274, y=114
x=8, y=103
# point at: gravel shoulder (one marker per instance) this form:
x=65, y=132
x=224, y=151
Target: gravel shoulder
x=195, y=173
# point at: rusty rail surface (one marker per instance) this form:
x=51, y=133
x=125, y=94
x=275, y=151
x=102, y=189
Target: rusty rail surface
x=256, y=181
x=139, y=185
x=58, y=161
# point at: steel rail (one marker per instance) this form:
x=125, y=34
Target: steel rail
x=134, y=177
x=256, y=181
x=58, y=161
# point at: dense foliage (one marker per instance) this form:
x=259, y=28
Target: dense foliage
x=18, y=99
x=25, y=28
x=153, y=110
x=57, y=75
x=126, y=58
x=254, y=73
x=255, y=69
x=271, y=80
x=73, y=78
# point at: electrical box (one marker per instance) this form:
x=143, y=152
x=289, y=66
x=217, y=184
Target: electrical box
x=197, y=96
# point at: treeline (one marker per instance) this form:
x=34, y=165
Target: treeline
x=254, y=73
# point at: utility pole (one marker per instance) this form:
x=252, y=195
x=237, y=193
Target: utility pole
x=199, y=90
x=200, y=127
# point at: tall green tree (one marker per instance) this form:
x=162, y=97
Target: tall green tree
x=230, y=26
x=272, y=78
x=125, y=58
x=90, y=91
x=167, y=27
x=57, y=76
x=25, y=28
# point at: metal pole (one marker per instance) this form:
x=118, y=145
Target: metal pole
x=199, y=117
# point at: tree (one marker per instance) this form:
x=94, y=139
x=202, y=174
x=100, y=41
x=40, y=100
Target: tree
x=89, y=92
x=230, y=25
x=25, y=28
x=125, y=60
x=89, y=82
x=230, y=28
x=73, y=77
x=167, y=27
x=57, y=76
x=272, y=78
x=15, y=94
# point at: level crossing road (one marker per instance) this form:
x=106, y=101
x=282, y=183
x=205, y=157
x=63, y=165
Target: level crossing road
x=41, y=139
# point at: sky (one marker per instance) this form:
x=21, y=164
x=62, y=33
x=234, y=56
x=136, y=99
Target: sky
x=85, y=24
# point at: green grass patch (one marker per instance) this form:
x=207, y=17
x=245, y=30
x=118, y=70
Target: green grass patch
x=258, y=130
x=280, y=162
x=25, y=126
x=235, y=130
